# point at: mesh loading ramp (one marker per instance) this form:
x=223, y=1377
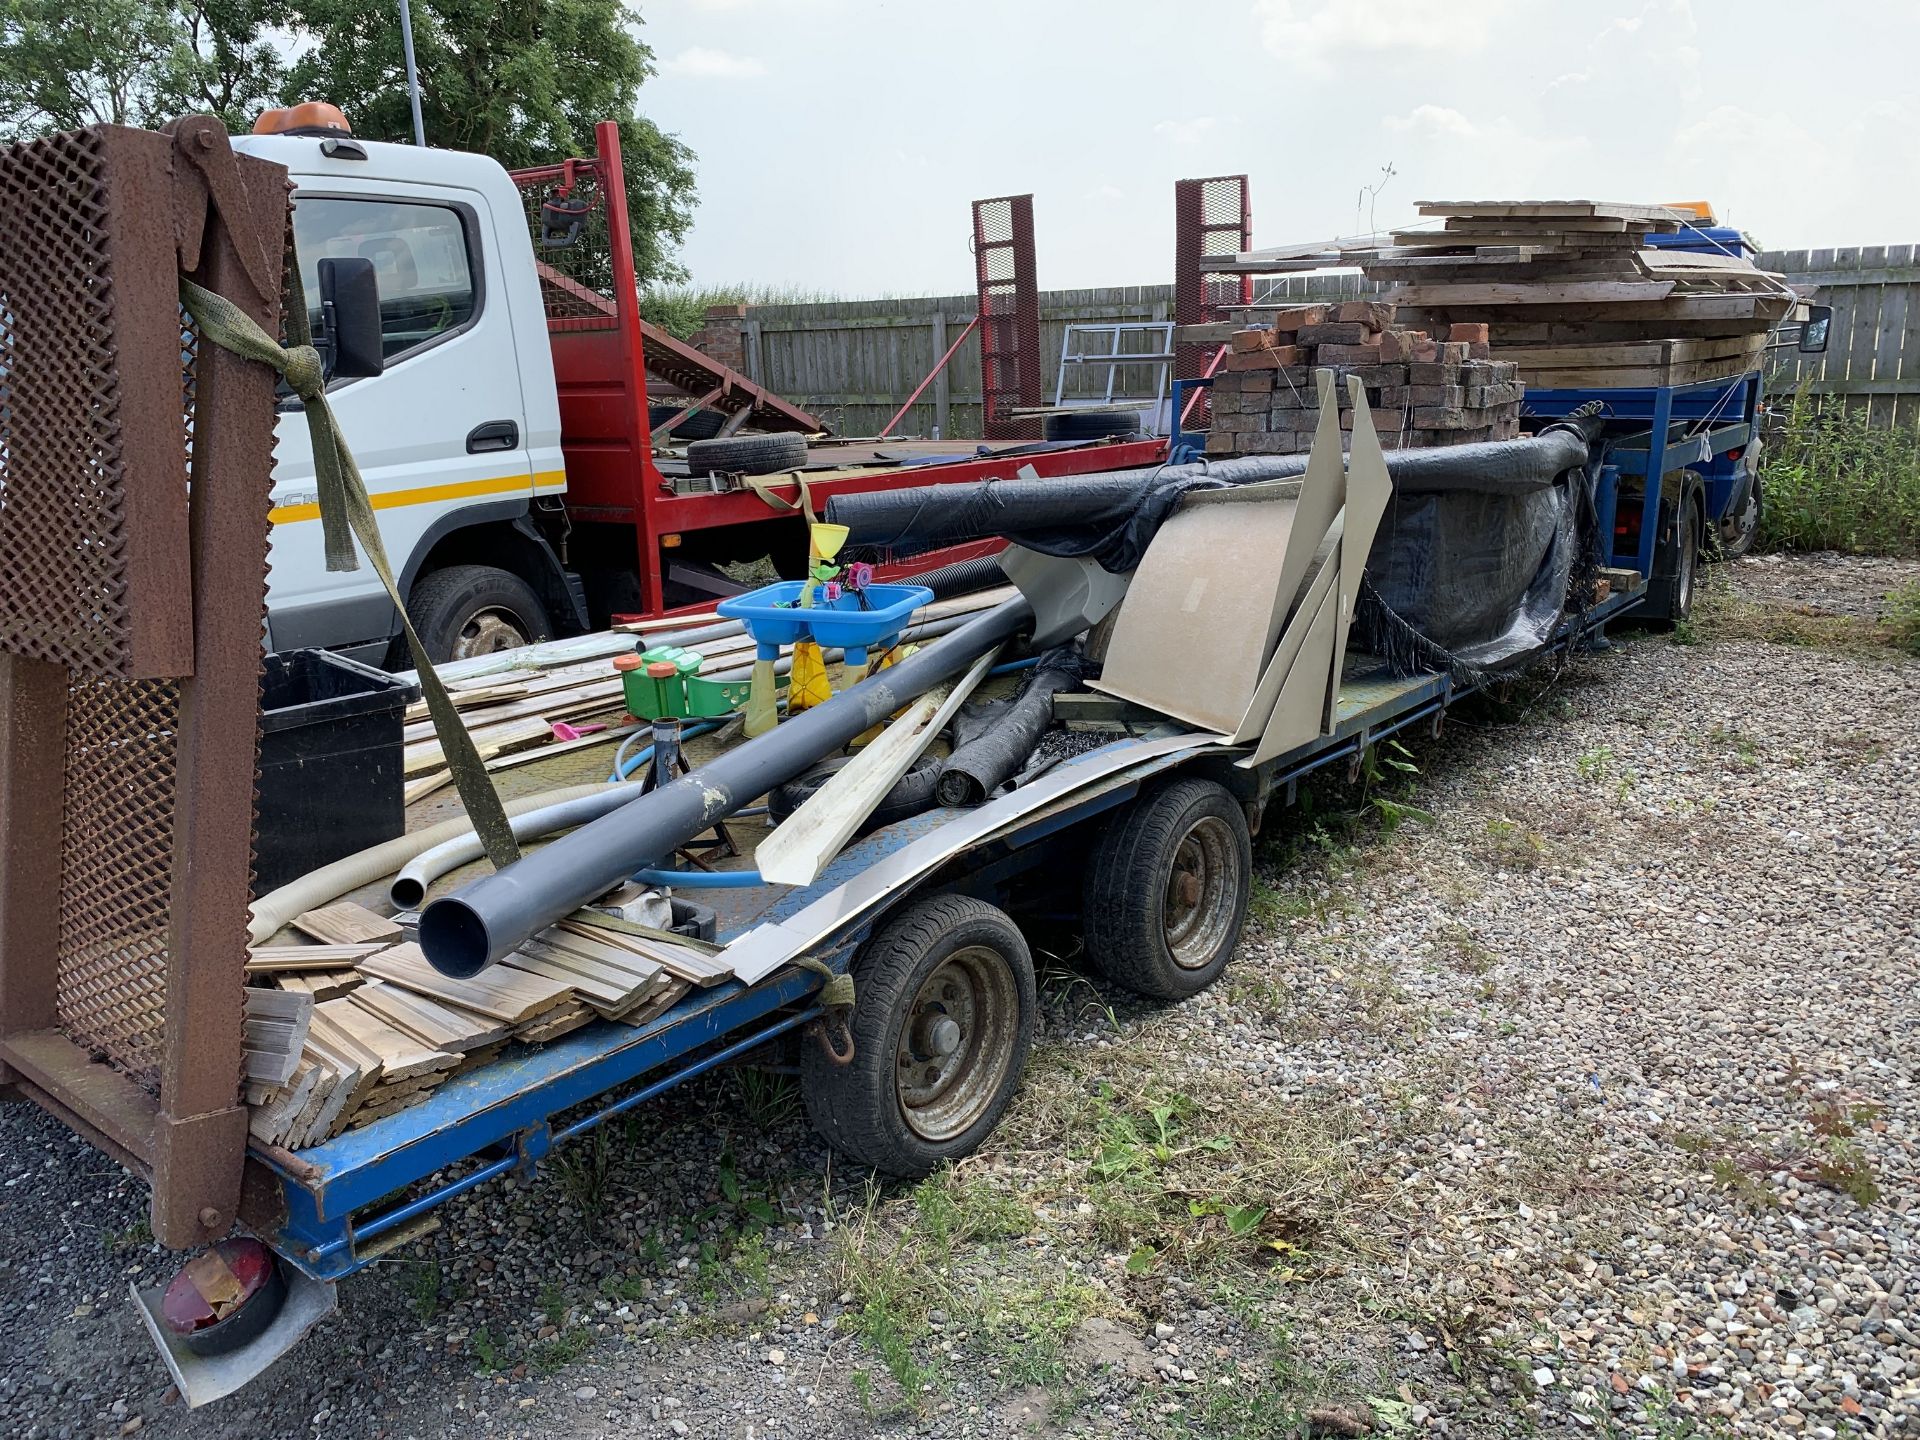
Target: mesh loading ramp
x=135, y=470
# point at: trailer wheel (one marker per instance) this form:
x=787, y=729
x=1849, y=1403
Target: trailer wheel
x=468, y=610
x=747, y=454
x=1740, y=530
x=1167, y=888
x=941, y=1027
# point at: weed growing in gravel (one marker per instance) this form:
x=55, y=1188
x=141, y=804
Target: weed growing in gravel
x=1903, y=617
x=486, y=1349
x=585, y=1167
x=136, y=1236
x=1512, y=846
x=768, y=1099
x=1592, y=765
x=1745, y=752
x=421, y=1282
x=550, y=1356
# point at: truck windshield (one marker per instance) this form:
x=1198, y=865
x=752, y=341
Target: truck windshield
x=419, y=253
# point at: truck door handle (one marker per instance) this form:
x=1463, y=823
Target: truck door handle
x=494, y=435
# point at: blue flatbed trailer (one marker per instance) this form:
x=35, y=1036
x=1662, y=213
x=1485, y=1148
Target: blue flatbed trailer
x=338, y=1198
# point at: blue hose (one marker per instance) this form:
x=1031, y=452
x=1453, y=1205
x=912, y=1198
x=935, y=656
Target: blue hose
x=1013, y=665
x=700, y=879
x=624, y=765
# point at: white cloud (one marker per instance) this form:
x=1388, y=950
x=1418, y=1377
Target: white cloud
x=1432, y=120
x=1186, y=132
x=1316, y=32
x=703, y=63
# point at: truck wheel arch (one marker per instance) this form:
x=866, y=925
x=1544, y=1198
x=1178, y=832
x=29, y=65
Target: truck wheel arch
x=500, y=534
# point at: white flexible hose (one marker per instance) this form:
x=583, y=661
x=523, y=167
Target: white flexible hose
x=409, y=887
x=317, y=887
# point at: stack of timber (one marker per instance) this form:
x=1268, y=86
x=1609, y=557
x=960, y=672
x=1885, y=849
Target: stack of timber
x=510, y=704
x=1421, y=390
x=1569, y=289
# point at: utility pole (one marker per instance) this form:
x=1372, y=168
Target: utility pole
x=413, y=74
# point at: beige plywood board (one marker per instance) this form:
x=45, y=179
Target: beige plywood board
x=1193, y=634
x=347, y=923
x=510, y=995
x=1300, y=706
x=1369, y=488
x=1320, y=583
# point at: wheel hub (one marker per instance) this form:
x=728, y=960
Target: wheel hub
x=488, y=633
x=957, y=1043
x=1198, y=905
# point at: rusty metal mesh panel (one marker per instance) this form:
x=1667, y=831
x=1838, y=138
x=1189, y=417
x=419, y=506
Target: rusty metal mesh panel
x=116, y=856
x=1212, y=217
x=63, y=592
x=1009, y=316
x=576, y=277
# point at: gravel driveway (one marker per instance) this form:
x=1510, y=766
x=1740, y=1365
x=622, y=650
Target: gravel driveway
x=1567, y=1085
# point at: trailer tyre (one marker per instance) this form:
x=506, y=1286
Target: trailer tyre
x=747, y=455
x=1167, y=888
x=467, y=610
x=941, y=1025
x=1676, y=563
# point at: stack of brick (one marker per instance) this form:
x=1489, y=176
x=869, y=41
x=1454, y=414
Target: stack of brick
x=1422, y=391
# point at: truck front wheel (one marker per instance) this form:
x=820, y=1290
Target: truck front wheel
x=942, y=1022
x=467, y=610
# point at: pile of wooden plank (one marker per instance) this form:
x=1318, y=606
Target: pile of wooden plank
x=1569, y=289
x=1423, y=391
x=510, y=705
x=358, y=1030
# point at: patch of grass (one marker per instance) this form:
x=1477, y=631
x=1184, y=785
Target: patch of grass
x=953, y=1209
x=1725, y=616
x=585, y=1168
x=1463, y=949
x=553, y=1304
x=1593, y=765
x=136, y=1236
x=768, y=1099
x=486, y=1349
x=421, y=1282
x=1744, y=750
x=1511, y=846
x=1903, y=617
x=1832, y=481
x=556, y=1354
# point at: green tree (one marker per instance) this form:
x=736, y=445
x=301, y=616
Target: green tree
x=522, y=81
x=69, y=63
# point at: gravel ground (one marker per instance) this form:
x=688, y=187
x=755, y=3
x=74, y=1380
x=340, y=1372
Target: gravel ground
x=1586, y=1103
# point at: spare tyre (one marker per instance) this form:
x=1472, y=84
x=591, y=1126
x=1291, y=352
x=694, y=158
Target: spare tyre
x=1090, y=424
x=747, y=455
x=911, y=794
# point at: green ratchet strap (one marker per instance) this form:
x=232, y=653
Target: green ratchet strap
x=762, y=485
x=838, y=991
x=347, y=514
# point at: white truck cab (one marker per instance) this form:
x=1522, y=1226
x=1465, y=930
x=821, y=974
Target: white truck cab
x=459, y=438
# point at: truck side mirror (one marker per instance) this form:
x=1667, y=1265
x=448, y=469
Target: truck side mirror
x=1813, y=331
x=350, y=319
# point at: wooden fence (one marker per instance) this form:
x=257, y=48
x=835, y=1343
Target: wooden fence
x=1873, y=350
x=854, y=362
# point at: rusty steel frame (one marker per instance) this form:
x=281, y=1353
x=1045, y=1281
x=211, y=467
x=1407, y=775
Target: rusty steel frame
x=1009, y=316
x=1212, y=216
x=181, y=202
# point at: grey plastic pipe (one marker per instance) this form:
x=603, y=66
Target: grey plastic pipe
x=273, y=910
x=409, y=887
x=483, y=921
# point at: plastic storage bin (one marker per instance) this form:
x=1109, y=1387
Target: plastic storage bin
x=331, y=773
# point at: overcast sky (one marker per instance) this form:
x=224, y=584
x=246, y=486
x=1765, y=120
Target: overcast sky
x=840, y=141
